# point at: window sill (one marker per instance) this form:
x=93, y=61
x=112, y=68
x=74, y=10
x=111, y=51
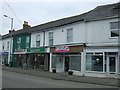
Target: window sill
x=113, y=37
x=94, y=72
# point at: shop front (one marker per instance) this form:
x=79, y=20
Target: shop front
x=37, y=58
x=64, y=58
x=102, y=62
x=4, y=58
x=19, y=57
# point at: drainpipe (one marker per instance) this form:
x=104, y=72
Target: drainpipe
x=43, y=38
x=44, y=46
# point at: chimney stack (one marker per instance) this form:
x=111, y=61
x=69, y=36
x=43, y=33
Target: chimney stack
x=25, y=25
x=11, y=31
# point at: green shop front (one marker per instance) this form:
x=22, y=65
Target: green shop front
x=37, y=58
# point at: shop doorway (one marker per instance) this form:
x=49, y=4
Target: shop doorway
x=112, y=63
x=67, y=58
x=60, y=64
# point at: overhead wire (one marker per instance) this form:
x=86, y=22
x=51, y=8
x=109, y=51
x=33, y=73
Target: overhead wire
x=20, y=21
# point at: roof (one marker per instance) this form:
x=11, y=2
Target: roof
x=100, y=12
x=6, y=36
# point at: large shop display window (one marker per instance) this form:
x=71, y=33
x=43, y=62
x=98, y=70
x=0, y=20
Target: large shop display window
x=94, y=62
x=70, y=61
x=75, y=62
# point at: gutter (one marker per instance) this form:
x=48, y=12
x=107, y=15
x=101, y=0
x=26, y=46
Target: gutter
x=97, y=19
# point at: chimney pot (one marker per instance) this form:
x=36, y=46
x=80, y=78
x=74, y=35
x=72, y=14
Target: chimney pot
x=25, y=25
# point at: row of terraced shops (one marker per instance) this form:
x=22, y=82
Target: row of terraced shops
x=83, y=61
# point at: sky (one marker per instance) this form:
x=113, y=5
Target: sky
x=37, y=12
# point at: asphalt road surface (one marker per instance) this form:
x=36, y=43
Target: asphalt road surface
x=17, y=80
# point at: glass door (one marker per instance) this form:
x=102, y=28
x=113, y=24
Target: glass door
x=112, y=64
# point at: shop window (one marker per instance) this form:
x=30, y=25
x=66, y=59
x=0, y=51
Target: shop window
x=114, y=29
x=75, y=62
x=70, y=35
x=38, y=40
x=27, y=41
x=54, y=60
x=19, y=42
x=94, y=62
x=50, y=38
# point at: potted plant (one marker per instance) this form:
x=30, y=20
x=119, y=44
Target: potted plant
x=70, y=72
x=54, y=70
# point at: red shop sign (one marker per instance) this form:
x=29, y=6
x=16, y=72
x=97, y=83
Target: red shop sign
x=62, y=49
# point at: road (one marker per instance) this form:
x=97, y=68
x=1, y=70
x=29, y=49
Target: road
x=17, y=80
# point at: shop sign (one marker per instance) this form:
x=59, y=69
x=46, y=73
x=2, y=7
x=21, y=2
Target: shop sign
x=20, y=51
x=62, y=49
x=4, y=53
x=32, y=50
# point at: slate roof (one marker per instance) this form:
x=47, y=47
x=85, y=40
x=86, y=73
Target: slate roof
x=100, y=12
x=6, y=36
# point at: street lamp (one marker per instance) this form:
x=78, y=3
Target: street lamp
x=11, y=21
x=10, y=39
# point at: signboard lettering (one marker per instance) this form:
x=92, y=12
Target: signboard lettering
x=62, y=49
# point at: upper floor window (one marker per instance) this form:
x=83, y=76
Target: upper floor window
x=37, y=40
x=114, y=29
x=8, y=45
x=19, y=42
x=50, y=38
x=70, y=35
x=3, y=47
x=27, y=41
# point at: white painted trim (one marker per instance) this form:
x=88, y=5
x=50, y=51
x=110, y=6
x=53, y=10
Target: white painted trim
x=102, y=50
x=50, y=68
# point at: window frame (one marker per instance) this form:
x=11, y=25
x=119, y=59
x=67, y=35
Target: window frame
x=27, y=42
x=8, y=45
x=69, y=35
x=38, y=40
x=95, y=54
x=19, y=43
x=51, y=38
x=3, y=46
x=113, y=29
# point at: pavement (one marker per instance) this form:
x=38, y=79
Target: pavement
x=65, y=76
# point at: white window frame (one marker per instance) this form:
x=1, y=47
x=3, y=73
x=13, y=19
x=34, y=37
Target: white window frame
x=69, y=36
x=38, y=39
x=3, y=46
x=8, y=45
x=19, y=42
x=27, y=41
x=51, y=38
x=94, y=53
x=114, y=30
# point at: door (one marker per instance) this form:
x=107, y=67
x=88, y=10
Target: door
x=66, y=63
x=59, y=65
x=112, y=64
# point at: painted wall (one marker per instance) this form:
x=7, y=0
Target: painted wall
x=23, y=41
x=33, y=38
x=6, y=49
x=60, y=34
x=98, y=32
x=92, y=33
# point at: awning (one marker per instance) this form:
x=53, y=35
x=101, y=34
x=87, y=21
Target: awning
x=4, y=53
x=20, y=51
